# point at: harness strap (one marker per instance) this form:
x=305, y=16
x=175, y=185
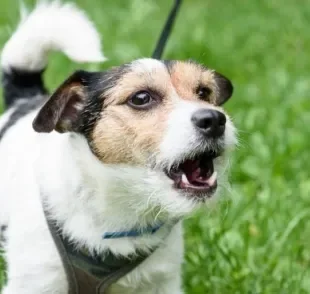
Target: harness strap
x=91, y=275
x=70, y=273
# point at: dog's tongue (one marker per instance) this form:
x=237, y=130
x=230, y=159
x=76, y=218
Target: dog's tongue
x=197, y=173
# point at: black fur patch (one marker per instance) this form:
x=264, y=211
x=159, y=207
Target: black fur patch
x=22, y=108
x=97, y=85
x=18, y=84
x=225, y=88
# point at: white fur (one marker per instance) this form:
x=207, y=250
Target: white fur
x=86, y=196
x=147, y=65
x=52, y=26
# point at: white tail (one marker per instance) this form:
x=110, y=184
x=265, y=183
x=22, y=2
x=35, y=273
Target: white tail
x=52, y=26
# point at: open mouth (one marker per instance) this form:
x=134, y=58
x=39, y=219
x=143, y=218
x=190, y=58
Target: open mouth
x=195, y=175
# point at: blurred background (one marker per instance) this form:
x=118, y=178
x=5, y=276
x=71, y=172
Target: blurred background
x=257, y=238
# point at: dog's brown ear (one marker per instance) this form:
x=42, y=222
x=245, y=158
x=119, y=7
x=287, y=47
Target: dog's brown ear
x=225, y=88
x=61, y=111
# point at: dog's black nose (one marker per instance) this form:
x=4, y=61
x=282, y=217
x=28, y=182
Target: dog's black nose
x=209, y=122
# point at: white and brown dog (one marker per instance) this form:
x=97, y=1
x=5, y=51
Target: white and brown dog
x=116, y=156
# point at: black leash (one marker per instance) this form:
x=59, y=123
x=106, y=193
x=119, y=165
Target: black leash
x=160, y=46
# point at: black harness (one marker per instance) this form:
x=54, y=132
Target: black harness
x=88, y=274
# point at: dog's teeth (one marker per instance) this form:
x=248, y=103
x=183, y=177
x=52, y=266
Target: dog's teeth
x=184, y=179
x=211, y=181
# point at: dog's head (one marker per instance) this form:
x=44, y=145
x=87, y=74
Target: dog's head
x=161, y=121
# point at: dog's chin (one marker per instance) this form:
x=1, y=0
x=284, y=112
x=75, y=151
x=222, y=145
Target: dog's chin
x=187, y=185
x=179, y=198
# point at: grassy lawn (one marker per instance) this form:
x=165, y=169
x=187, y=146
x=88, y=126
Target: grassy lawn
x=256, y=240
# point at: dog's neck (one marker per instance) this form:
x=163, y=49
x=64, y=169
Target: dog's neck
x=91, y=202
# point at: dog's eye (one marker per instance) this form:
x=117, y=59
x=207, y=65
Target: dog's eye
x=203, y=92
x=140, y=100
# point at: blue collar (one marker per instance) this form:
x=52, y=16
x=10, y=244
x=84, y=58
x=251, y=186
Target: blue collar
x=150, y=230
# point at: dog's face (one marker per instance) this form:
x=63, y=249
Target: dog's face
x=161, y=119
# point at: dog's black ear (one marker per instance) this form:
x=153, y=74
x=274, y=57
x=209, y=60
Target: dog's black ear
x=61, y=111
x=225, y=88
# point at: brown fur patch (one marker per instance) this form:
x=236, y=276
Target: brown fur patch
x=126, y=135
x=186, y=77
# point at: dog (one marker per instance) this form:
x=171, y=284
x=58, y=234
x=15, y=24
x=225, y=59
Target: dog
x=135, y=148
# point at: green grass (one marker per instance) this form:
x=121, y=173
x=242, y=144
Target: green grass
x=257, y=239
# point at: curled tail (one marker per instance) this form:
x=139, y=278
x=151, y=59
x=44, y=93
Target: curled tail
x=49, y=27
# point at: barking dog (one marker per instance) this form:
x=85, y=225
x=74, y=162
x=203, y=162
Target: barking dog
x=117, y=158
